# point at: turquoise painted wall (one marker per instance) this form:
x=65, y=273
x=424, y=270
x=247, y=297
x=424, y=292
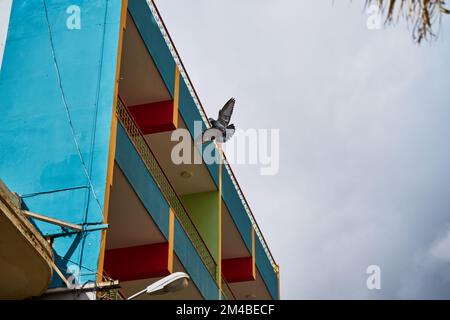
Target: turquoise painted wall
x=56, y=98
x=193, y=264
x=51, y=110
x=266, y=270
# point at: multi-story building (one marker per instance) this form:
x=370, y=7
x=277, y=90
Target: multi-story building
x=90, y=93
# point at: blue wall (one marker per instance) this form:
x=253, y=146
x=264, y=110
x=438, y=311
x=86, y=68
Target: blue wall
x=193, y=264
x=265, y=269
x=55, y=125
x=39, y=157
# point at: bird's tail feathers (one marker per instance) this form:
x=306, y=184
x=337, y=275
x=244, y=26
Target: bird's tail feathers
x=229, y=132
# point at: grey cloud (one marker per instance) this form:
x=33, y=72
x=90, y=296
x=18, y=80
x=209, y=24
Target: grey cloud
x=363, y=116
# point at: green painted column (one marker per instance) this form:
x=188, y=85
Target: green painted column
x=204, y=211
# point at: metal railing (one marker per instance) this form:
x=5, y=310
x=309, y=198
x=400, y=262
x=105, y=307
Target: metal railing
x=226, y=291
x=199, y=106
x=113, y=294
x=164, y=185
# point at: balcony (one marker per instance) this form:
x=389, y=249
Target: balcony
x=235, y=205
x=137, y=138
x=212, y=221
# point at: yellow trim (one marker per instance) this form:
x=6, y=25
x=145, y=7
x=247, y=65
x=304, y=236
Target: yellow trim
x=219, y=278
x=253, y=254
x=278, y=278
x=171, y=237
x=112, y=143
x=176, y=97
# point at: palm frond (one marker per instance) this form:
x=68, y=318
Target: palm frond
x=423, y=15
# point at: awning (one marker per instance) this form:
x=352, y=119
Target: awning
x=25, y=256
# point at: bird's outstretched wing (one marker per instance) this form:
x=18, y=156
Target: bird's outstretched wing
x=226, y=112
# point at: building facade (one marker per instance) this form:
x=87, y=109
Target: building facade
x=90, y=94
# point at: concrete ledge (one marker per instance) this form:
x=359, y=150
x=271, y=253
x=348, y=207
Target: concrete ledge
x=25, y=256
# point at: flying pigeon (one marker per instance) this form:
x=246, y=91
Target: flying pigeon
x=220, y=129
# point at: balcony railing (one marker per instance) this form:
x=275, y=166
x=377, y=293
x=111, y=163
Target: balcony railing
x=226, y=291
x=199, y=106
x=164, y=185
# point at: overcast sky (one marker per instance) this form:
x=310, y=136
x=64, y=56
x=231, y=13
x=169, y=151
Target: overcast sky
x=5, y=10
x=365, y=151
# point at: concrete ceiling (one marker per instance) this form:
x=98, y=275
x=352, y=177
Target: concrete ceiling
x=200, y=180
x=125, y=209
x=140, y=81
x=233, y=245
x=251, y=290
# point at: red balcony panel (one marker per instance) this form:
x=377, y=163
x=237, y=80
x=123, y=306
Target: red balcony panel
x=140, y=262
x=238, y=269
x=155, y=117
